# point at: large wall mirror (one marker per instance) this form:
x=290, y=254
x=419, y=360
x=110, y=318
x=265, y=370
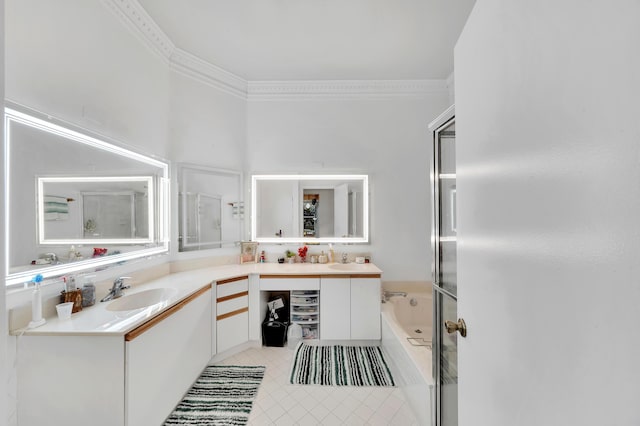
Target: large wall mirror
x=78, y=201
x=310, y=208
x=211, y=210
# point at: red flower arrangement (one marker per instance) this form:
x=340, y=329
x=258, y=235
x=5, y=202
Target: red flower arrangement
x=302, y=252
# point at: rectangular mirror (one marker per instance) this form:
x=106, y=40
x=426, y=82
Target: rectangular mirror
x=67, y=187
x=211, y=210
x=95, y=210
x=310, y=208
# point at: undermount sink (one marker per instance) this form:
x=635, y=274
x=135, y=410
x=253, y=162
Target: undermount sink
x=346, y=266
x=142, y=299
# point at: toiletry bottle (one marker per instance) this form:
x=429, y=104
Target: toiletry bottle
x=88, y=291
x=72, y=254
x=70, y=283
x=36, y=304
x=331, y=254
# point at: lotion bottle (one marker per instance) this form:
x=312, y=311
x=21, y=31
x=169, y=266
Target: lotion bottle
x=36, y=304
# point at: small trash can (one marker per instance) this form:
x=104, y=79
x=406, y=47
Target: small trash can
x=274, y=333
x=276, y=321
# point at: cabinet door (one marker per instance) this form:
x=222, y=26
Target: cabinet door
x=232, y=331
x=335, y=308
x=163, y=362
x=365, y=308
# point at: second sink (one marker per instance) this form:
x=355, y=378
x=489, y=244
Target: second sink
x=142, y=299
x=347, y=266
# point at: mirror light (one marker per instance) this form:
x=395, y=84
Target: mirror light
x=160, y=207
x=363, y=179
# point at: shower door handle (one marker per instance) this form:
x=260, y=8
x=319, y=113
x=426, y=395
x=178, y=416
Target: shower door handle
x=459, y=326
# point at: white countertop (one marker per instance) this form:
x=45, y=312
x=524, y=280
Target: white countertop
x=97, y=320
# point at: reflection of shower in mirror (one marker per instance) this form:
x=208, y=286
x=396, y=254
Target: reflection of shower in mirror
x=202, y=226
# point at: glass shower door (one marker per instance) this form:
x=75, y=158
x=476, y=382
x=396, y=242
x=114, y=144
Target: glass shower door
x=445, y=348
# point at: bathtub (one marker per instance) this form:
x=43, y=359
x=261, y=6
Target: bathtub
x=406, y=338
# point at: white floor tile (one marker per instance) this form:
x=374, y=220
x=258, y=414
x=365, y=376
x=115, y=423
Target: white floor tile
x=280, y=403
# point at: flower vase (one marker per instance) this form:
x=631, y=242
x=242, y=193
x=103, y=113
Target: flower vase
x=303, y=259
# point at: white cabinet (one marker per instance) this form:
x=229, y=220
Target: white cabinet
x=70, y=380
x=163, y=361
x=232, y=313
x=365, y=308
x=113, y=380
x=335, y=308
x=288, y=283
x=350, y=308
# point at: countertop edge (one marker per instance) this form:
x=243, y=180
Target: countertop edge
x=207, y=276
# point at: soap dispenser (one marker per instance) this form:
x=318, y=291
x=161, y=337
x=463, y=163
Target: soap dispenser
x=36, y=304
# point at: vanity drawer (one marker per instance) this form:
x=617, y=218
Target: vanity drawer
x=231, y=305
x=276, y=282
x=233, y=286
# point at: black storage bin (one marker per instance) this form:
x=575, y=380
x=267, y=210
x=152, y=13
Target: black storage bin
x=274, y=333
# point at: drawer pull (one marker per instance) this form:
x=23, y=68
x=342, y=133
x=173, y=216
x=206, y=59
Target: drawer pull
x=232, y=280
x=232, y=296
x=232, y=313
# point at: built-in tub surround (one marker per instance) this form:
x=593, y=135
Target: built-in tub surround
x=406, y=337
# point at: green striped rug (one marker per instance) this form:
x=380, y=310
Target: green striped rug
x=222, y=395
x=340, y=366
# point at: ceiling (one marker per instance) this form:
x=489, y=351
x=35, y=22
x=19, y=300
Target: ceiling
x=276, y=40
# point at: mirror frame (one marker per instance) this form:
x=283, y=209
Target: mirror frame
x=47, y=124
x=306, y=240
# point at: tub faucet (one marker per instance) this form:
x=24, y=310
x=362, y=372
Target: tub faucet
x=116, y=290
x=386, y=295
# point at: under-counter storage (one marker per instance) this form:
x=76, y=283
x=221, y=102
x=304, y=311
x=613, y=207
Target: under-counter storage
x=232, y=313
x=164, y=359
x=350, y=307
x=112, y=380
x=305, y=312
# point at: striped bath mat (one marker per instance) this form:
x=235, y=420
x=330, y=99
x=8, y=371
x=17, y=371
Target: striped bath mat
x=340, y=366
x=222, y=395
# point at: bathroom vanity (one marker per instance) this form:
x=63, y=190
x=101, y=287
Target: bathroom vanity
x=131, y=366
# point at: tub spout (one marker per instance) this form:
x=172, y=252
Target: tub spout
x=386, y=295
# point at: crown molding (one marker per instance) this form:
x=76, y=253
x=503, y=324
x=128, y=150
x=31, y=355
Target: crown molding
x=137, y=20
x=267, y=90
x=190, y=65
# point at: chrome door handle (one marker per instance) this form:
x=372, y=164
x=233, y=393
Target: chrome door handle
x=459, y=326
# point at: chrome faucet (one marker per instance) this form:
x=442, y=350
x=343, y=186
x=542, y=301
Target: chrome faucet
x=386, y=295
x=116, y=290
x=345, y=258
x=52, y=258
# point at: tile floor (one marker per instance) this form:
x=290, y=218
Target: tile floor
x=280, y=403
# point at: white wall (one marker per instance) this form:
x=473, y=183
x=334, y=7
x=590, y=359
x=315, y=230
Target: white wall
x=74, y=60
x=387, y=138
x=206, y=126
x=548, y=149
